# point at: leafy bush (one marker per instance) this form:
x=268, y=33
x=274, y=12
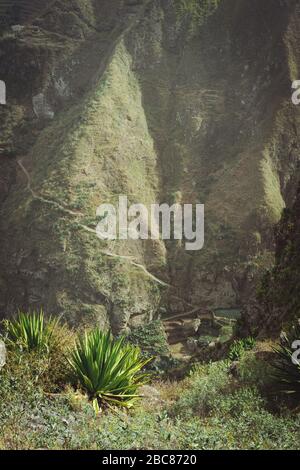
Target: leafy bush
x=196, y=10
x=239, y=347
x=253, y=370
x=151, y=338
x=241, y=401
x=31, y=332
x=107, y=369
x=58, y=371
x=39, y=346
x=204, y=385
x=286, y=370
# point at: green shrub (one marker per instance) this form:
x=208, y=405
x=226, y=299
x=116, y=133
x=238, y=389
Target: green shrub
x=286, y=371
x=241, y=401
x=253, y=370
x=239, y=346
x=108, y=370
x=151, y=338
x=51, y=372
x=204, y=386
x=196, y=10
x=31, y=332
x=58, y=372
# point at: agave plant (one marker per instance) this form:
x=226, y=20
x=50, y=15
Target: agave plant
x=109, y=370
x=286, y=369
x=31, y=332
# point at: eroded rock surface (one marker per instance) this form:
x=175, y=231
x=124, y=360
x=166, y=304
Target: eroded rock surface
x=144, y=103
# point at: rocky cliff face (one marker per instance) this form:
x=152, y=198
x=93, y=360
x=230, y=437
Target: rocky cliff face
x=276, y=305
x=163, y=101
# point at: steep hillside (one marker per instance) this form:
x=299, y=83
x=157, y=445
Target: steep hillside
x=162, y=101
x=276, y=304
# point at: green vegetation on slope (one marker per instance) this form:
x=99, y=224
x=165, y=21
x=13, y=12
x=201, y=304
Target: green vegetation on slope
x=157, y=121
x=108, y=370
x=278, y=292
x=197, y=11
x=219, y=405
x=208, y=410
x=92, y=152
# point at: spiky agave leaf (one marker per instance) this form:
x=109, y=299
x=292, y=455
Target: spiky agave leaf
x=108, y=369
x=31, y=332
